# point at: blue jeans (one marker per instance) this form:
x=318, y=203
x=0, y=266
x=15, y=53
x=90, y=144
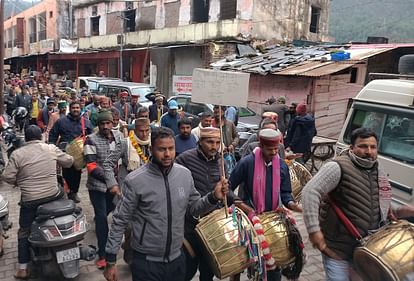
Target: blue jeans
x=102, y=206
x=336, y=270
x=26, y=218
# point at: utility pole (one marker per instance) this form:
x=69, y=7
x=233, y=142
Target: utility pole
x=121, y=49
x=70, y=19
x=2, y=33
x=121, y=59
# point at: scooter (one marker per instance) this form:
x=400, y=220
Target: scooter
x=12, y=140
x=54, y=239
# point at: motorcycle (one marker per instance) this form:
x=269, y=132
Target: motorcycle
x=55, y=239
x=12, y=140
x=20, y=117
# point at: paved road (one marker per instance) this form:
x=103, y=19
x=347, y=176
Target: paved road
x=312, y=271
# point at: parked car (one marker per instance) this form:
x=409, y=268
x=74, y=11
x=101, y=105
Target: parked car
x=110, y=88
x=92, y=82
x=248, y=119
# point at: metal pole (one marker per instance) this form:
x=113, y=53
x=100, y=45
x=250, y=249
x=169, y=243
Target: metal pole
x=2, y=34
x=70, y=20
x=120, y=57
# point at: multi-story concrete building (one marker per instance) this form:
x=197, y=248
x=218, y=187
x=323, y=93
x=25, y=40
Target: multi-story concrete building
x=175, y=36
x=163, y=38
x=34, y=32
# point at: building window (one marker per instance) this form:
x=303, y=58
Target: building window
x=94, y=11
x=201, y=9
x=228, y=9
x=50, y=14
x=129, y=21
x=354, y=75
x=95, y=26
x=32, y=30
x=129, y=5
x=42, y=27
x=9, y=37
x=315, y=16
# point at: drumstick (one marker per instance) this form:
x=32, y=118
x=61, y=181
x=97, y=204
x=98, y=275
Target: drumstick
x=223, y=171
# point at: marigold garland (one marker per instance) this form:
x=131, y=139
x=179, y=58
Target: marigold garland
x=137, y=147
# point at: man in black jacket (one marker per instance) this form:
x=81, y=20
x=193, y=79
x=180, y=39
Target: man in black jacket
x=10, y=101
x=68, y=128
x=24, y=99
x=204, y=164
x=157, y=109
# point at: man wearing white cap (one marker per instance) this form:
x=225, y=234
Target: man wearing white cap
x=266, y=181
x=157, y=109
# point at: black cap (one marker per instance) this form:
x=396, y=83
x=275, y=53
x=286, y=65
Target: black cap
x=32, y=132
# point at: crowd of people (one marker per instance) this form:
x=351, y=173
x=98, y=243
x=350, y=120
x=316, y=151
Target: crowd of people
x=156, y=174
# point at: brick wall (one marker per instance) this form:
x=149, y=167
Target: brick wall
x=147, y=18
x=172, y=14
x=114, y=23
x=217, y=51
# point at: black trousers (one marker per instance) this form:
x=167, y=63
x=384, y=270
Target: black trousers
x=199, y=262
x=72, y=177
x=145, y=270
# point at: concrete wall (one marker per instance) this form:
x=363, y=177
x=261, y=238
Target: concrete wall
x=109, y=22
x=285, y=20
x=163, y=60
x=186, y=59
x=171, y=21
x=182, y=34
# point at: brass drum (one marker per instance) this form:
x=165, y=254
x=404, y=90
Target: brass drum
x=220, y=238
x=387, y=255
x=277, y=236
x=299, y=176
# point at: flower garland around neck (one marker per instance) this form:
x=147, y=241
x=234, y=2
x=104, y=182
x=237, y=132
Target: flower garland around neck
x=137, y=147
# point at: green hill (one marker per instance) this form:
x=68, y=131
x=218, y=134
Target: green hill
x=355, y=20
x=13, y=7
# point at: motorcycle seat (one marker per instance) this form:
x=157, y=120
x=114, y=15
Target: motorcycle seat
x=56, y=208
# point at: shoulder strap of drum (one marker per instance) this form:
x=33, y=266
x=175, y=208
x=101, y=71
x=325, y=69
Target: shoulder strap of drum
x=344, y=219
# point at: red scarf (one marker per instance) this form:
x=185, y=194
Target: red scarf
x=259, y=181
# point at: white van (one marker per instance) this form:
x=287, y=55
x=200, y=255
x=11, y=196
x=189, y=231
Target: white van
x=387, y=107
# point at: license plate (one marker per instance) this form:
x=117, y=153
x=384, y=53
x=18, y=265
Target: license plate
x=68, y=255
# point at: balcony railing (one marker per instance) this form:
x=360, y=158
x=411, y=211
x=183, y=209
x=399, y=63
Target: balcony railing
x=32, y=37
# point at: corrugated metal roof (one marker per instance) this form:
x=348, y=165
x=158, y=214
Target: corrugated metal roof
x=312, y=61
x=361, y=54
x=316, y=68
x=381, y=46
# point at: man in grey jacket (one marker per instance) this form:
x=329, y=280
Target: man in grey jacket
x=155, y=199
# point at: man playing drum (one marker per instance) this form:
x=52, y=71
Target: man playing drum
x=360, y=189
x=155, y=200
x=264, y=181
x=204, y=164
